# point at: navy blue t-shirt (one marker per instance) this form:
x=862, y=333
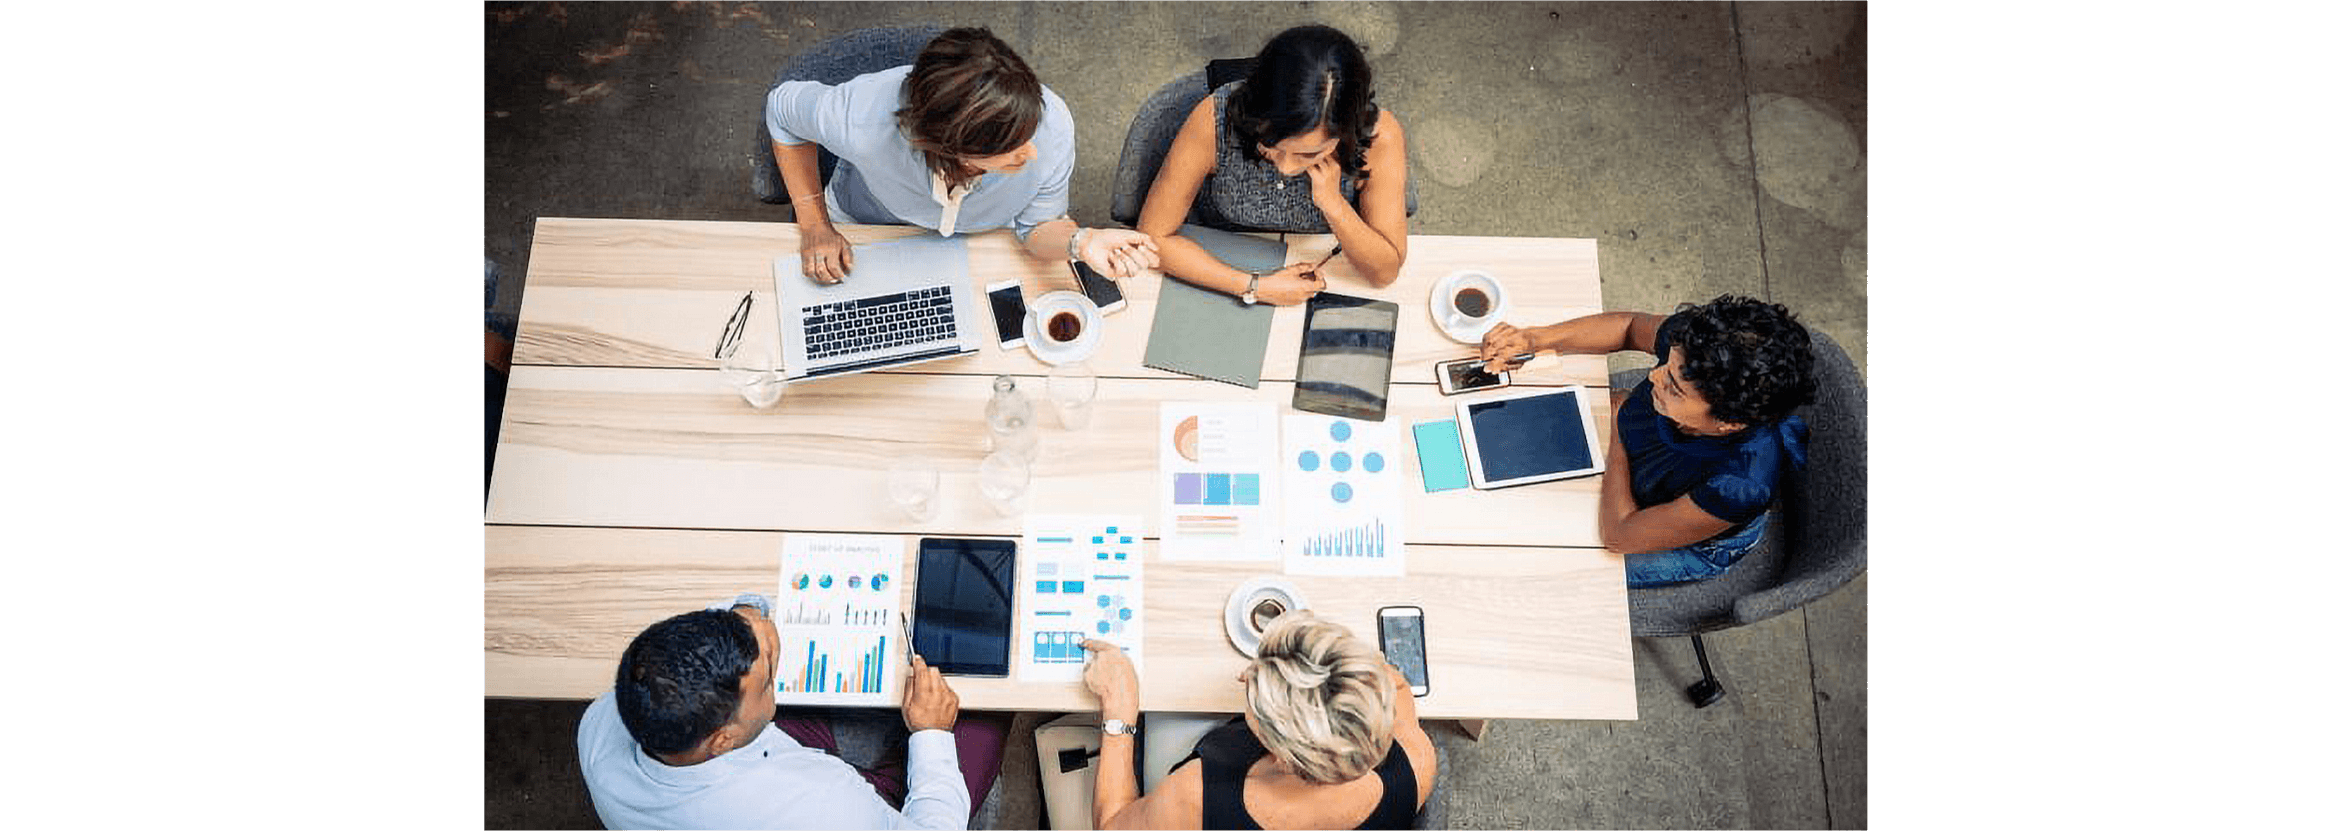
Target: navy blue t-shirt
x=1732, y=477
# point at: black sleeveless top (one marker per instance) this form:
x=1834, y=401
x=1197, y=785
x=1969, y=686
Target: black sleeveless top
x=1226, y=753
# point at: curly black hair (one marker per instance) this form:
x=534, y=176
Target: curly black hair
x=682, y=678
x=1307, y=77
x=1751, y=360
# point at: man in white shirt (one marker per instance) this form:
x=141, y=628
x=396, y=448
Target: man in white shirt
x=686, y=739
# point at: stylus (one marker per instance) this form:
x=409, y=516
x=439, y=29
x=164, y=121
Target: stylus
x=903, y=629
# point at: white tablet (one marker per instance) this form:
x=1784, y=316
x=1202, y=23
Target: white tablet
x=1529, y=436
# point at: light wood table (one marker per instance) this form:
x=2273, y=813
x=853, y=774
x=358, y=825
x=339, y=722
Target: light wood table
x=631, y=485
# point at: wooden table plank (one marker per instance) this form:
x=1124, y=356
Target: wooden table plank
x=1512, y=632
x=673, y=449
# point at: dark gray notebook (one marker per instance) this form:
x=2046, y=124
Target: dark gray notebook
x=1207, y=333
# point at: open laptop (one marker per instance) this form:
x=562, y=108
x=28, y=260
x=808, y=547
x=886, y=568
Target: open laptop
x=906, y=301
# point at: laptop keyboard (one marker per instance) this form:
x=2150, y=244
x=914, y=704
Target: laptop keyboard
x=878, y=323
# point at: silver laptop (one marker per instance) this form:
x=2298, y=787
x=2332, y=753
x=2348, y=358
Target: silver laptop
x=906, y=301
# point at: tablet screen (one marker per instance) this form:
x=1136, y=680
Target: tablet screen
x=1344, y=357
x=963, y=605
x=1531, y=436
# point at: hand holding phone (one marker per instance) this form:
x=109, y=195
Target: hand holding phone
x=1467, y=375
x=1102, y=290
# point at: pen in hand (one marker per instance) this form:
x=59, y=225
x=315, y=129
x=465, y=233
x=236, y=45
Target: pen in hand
x=908, y=632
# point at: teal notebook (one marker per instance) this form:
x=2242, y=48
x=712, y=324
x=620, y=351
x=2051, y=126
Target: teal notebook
x=1210, y=334
x=1442, y=467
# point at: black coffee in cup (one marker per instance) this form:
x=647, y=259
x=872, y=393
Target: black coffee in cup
x=1063, y=326
x=1472, y=302
x=1263, y=614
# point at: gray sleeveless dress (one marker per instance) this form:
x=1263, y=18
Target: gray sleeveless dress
x=1241, y=192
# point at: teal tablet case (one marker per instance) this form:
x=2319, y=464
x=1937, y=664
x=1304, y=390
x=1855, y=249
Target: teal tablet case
x=1442, y=467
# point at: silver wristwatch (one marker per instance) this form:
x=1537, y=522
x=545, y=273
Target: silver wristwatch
x=1250, y=296
x=1115, y=727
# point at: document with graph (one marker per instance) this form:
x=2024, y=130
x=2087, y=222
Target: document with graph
x=1218, y=498
x=836, y=619
x=1342, y=496
x=1081, y=577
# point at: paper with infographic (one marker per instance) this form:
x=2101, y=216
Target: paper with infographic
x=1081, y=576
x=1219, y=478
x=837, y=619
x=1342, y=496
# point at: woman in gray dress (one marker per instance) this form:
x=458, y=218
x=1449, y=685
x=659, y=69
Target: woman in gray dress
x=1296, y=146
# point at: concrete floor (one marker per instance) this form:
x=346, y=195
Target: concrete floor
x=1710, y=147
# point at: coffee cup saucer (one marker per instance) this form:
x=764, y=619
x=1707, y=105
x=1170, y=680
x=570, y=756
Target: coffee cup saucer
x=1450, y=321
x=1062, y=352
x=1245, y=597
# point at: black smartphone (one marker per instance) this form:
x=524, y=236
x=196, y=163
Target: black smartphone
x=1011, y=314
x=1400, y=638
x=963, y=605
x=1102, y=290
x=1468, y=374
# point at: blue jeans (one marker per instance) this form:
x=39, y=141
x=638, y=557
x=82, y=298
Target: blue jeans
x=1693, y=562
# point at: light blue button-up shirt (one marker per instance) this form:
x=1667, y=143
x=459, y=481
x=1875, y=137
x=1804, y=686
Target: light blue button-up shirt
x=773, y=782
x=883, y=179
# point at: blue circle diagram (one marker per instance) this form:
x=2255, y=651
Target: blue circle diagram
x=1102, y=601
x=1341, y=492
x=880, y=580
x=1373, y=463
x=1101, y=627
x=1340, y=431
x=1309, y=460
x=1126, y=614
x=1341, y=462
x=824, y=582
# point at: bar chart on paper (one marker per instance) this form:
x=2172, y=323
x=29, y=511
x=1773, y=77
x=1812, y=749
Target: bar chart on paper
x=836, y=619
x=1341, y=496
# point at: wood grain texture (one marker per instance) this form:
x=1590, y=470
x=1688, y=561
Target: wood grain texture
x=1512, y=632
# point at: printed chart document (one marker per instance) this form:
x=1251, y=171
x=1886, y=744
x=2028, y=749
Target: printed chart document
x=1342, y=496
x=1081, y=577
x=1218, y=481
x=837, y=619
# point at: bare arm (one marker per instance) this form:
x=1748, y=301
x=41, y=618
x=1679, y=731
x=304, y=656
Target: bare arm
x=1597, y=334
x=825, y=256
x=1190, y=158
x=1373, y=239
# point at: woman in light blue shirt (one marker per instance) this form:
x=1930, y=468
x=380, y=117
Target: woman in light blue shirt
x=964, y=139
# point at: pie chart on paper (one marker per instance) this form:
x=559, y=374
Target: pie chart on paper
x=1187, y=439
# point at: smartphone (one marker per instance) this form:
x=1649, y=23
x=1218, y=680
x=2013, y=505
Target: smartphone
x=1102, y=290
x=1011, y=313
x=1467, y=375
x=1400, y=638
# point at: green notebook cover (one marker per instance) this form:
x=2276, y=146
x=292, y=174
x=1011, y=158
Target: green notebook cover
x=1210, y=334
x=1442, y=466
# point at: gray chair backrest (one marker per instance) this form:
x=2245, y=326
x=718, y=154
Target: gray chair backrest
x=1820, y=539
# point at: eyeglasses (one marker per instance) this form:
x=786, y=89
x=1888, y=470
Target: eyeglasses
x=732, y=336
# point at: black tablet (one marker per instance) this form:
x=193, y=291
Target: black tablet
x=1344, y=357
x=963, y=605
x=1530, y=436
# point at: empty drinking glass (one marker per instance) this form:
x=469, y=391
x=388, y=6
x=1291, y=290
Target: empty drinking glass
x=1071, y=386
x=1004, y=478
x=753, y=370
x=914, y=485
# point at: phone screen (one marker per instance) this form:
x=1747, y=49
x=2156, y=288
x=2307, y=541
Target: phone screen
x=1102, y=290
x=1400, y=638
x=1010, y=310
x=1468, y=375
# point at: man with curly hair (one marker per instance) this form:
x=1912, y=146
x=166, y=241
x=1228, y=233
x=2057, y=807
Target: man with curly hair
x=1700, y=446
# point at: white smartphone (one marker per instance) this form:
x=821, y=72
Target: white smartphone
x=1400, y=638
x=1102, y=290
x=1011, y=312
x=1468, y=375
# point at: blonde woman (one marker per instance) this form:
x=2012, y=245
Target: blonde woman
x=1328, y=738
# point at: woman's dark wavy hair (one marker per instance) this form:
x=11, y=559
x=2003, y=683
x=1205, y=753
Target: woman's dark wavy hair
x=1751, y=360
x=1307, y=77
x=682, y=678
x=969, y=97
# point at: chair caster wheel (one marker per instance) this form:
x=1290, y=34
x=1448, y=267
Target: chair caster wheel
x=1705, y=692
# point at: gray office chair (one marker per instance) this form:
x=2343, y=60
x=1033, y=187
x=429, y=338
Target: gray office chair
x=831, y=62
x=1154, y=128
x=1817, y=541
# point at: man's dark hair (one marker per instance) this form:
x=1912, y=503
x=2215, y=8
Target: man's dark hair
x=682, y=678
x=969, y=96
x=1751, y=360
x=1307, y=77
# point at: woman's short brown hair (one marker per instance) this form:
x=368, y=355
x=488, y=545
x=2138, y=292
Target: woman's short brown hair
x=969, y=97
